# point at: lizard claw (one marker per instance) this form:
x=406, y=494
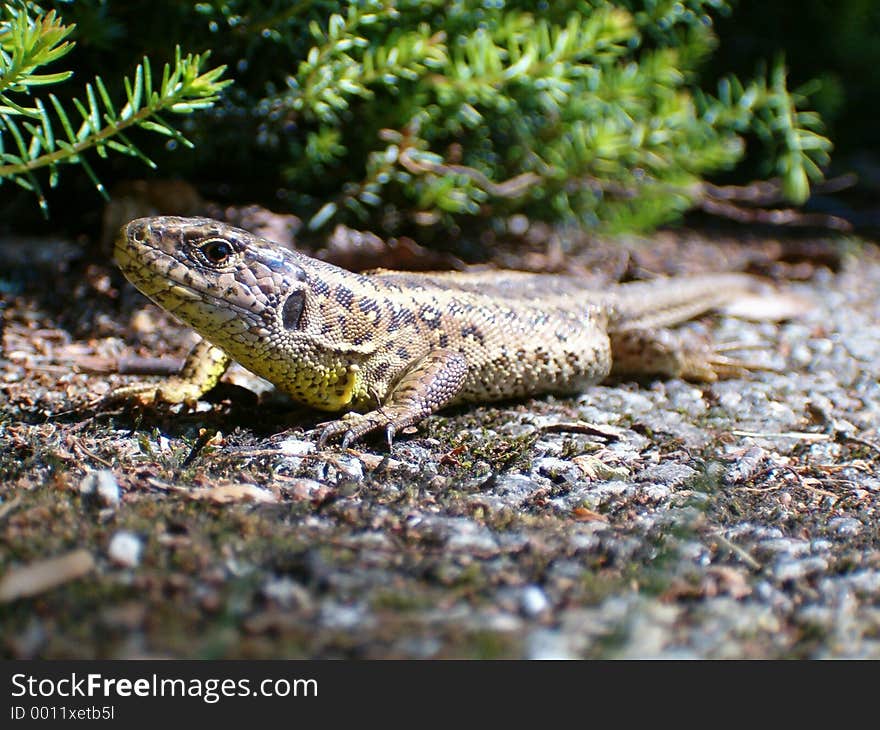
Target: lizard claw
x=355, y=428
x=390, y=430
x=352, y=426
x=329, y=430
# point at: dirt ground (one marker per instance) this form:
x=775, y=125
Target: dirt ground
x=654, y=519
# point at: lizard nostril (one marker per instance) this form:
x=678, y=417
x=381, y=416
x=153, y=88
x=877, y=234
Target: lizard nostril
x=135, y=230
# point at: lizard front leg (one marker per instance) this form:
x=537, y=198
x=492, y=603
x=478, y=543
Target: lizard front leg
x=202, y=369
x=426, y=387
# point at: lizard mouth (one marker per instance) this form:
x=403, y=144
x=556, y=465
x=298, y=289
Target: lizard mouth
x=181, y=298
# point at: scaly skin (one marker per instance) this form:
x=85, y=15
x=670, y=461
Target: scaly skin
x=392, y=347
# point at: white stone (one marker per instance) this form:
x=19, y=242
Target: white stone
x=102, y=485
x=125, y=549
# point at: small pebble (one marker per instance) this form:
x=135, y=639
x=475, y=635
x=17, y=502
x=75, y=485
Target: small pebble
x=101, y=485
x=787, y=570
x=667, y=473
x=295, y=447
x=845, y=526
x=533, y=601
x=559, y=470
x=125, y=549
x=349, y=467
x=746, y=466
x=287, y=592
x=866, y=582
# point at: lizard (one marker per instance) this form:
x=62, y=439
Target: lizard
x=389, y=348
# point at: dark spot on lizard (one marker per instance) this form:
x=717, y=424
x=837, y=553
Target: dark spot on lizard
x=320, y=287
x=344, y=296
x=399, y=318
x=430, y=316
x=402, y=353
x=472, y=331
x=443, y=340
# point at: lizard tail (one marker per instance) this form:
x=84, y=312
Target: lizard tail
x=665, y=302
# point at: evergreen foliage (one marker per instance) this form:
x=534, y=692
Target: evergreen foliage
x=31, y=39
x=589, y=110
x=432, y=114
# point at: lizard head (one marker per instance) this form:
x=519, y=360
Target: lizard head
x=268, y=307
x=214, y=277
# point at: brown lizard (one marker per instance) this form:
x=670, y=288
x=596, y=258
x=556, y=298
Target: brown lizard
x=391, y=348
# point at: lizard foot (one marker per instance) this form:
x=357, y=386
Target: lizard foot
x=145, y=395
x=354, y=426
x=670, y=354
x=203, y=368
x=171, y=391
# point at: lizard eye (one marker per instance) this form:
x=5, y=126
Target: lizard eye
x=217, y=252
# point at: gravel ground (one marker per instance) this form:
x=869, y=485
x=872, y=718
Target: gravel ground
x=659, y=519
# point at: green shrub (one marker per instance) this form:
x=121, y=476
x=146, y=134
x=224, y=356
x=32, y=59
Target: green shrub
x=30, y=138
x=402, y=115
